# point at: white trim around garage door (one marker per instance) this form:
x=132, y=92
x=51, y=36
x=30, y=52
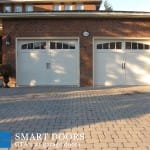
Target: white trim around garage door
x=48, y=38
x=112, y=38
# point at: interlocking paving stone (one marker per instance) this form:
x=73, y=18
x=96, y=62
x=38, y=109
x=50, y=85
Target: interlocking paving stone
x=114, y=118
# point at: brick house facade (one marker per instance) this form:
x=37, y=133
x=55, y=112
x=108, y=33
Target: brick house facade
x=110, y=25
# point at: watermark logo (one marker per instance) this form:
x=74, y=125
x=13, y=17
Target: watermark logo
x=5, y=139
x=45, y=140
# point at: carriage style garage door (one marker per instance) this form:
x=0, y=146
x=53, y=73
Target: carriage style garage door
x=121, y=62
x=47, y=62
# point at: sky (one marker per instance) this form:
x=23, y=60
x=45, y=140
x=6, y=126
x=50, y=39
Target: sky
x=129, y=5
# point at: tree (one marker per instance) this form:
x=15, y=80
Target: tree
x=108, y=6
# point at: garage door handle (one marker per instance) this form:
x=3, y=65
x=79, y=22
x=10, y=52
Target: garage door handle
x=48, y=65
x=124, y=65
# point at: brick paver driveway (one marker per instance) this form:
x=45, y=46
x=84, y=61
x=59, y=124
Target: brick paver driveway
x=77, y=118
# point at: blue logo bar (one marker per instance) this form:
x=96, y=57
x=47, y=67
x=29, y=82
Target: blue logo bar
x=5, y=139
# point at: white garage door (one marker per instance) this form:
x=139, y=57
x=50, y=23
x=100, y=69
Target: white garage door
x=47, y=62
x=121, y=62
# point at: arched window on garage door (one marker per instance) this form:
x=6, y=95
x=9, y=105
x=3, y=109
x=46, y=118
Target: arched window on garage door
x=109, y=45
x=137, y=45
x=34, y=45
x=62, y=45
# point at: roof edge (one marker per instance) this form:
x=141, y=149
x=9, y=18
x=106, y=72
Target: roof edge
x=77, y=15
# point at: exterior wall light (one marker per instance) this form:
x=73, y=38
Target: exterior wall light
x=85, y=33
x=8, y=40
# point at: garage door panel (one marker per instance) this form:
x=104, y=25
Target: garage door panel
x=101, y=75
x=62, y=63
x=108, y=57
x=33, y=66
x=115, y=73
x=121, y=62
x=107, y=72
x=138, y=68
x=42, y=63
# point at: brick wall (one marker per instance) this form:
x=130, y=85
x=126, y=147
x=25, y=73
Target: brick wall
x=72, y=28
x=42, y=7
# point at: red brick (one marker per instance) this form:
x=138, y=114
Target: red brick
x=73, y=27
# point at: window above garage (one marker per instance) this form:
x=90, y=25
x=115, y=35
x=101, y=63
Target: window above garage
x=29, y=8
x=68, y=7
x=57, y=7
x=79, y=7
x=7, y=9
x=49, y=6
x=18, y=8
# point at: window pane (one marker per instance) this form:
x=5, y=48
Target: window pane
x=134, y=46
x=112, y=45
x=65, y=46
x=57, y=7
x=72, y=45
x=30, y=46
x=18, y=8
x=79, y=7
x=7, y=9
x=99, y=46
x=128, y=45
x=146, y=46
x=29, y=8
x=68, y=7
x=24, y=46
x=52, y=45
x=59, y=45
x=43, y=45
x=105, y=46
x=140, y=46
x=37, y=45
x=118, y=45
